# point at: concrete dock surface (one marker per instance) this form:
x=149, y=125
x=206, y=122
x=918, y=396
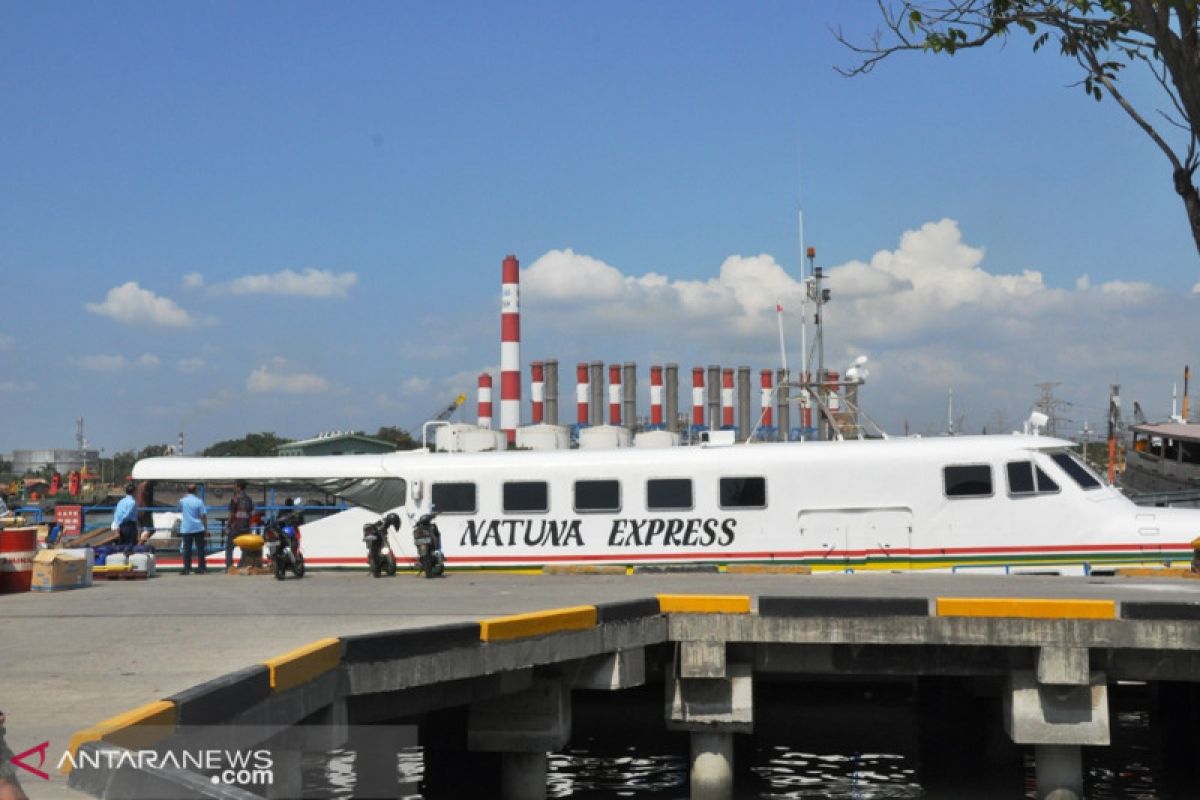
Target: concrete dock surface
x=71, y=659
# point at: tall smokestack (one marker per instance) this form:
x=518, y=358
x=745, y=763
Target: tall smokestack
x=714, y=397
x=597, y=387
x=630, y=387
x=485, y=400
x=656, y=396
x=672, y=409
x=744, y=411
x=784, y=407
x=767, y=411
x=537, y=392
x=697, y=397
x=727, y=398
x=582, y=395
x=552, y=391
x=510, y=349
x=614, y=394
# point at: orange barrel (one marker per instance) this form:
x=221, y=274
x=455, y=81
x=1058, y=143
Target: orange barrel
x=17, y=549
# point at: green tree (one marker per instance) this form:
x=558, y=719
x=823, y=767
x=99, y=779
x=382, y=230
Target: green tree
x=1103, y=36
x=252, y=444
x=397, y=436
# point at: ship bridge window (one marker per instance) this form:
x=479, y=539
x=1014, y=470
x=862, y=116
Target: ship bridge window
x=526, y=497
x=968, y=480
x=669, y=494
x=1189, y=452
x=1079, y=472
x=743, y=492
x=454, y=498
x=1026, y=478
x=597, y=495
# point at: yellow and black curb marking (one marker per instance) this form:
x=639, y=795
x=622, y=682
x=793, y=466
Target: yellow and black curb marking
x=217, y=700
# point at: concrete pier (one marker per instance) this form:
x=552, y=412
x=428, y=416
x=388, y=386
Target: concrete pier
x=488, y=693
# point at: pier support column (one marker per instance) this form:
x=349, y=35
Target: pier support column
x=712, y=700
x=522, y=727
x=623, y=669
x=1059, y=771
x=712, y=766
x=1058, y=718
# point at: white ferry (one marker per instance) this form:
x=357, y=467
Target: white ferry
x=1015, y=503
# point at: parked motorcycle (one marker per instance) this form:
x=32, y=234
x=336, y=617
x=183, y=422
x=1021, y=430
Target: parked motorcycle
x=282, y=539
x=380, y=557
x=428, y=540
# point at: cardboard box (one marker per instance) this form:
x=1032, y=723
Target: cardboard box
x=57, y=570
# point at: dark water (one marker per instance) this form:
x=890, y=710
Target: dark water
x=625, y=753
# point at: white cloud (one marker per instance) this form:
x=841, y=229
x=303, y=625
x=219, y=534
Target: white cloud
x=415, y=385
x=276, y=378
x=190, y=365
x=17, y=387
x=308, y=283
x=103, y=362
x=1196, y=289
x=130, y=304
x=193, y=280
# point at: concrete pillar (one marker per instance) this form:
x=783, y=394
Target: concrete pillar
x=672, y=397
x=523, y=776
x=623, y=669
x=745, y=411
x=286, y=775
x=1059, y=771
x=712, y=766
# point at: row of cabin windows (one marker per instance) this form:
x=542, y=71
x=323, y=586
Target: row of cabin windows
x=1024, y=477
x=599, y=496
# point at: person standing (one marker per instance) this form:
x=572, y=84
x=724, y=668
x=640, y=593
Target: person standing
x=125, y=518
x=241, y=507
x=193, y=523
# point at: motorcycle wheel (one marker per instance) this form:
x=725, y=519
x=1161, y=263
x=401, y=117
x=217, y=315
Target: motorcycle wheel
x=298, y=568
x=437, y=566
x=390, y=566
x=280, y=567
x=376, y=565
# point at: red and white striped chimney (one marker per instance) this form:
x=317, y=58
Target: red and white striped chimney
x=485, y=400
x=698, y=397
x=510, y=349
x=537, y=392
x=767, y=408
x=583, y=391
x=656, y=396
x=615, y=396
x=727, y=397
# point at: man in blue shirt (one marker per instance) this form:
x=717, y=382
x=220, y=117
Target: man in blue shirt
x=193, y=522
x=125, y=518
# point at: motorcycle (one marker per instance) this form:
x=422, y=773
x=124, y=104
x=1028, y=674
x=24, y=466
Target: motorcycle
x=282, y=539
x=428, y=540
x=380, y=557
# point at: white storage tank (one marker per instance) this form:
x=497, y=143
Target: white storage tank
x=543, y=437
x=656, y=439
x=604, y=437
x=464, y=438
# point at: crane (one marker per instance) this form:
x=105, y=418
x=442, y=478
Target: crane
x=447, y=412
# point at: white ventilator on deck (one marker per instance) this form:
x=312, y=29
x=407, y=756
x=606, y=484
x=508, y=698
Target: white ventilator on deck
x=510, y=348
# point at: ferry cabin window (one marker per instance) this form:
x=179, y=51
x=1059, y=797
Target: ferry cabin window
x=743, y=492
x=1077, y=470
x=968, y=480
x=454, y=498
x=523, y=497
x=1025, y=478
x=597, y=496
x=669, y=494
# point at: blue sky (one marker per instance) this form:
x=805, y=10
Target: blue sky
x=227, y=218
